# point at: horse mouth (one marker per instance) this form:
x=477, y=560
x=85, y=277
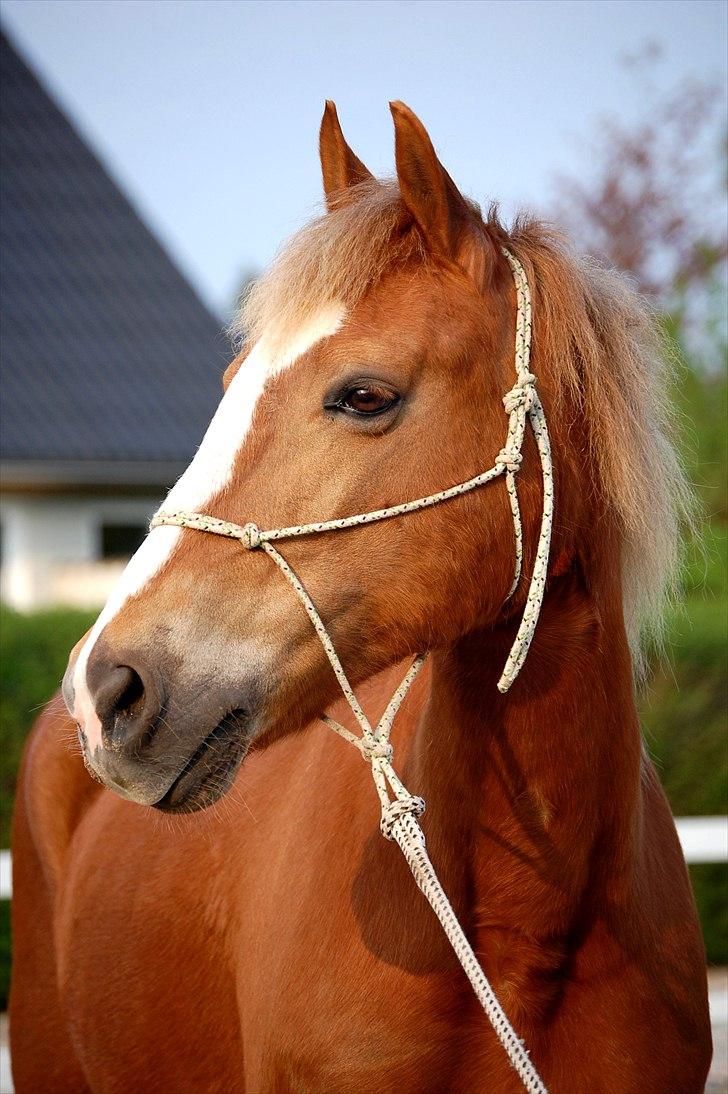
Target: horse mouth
x=210, y=770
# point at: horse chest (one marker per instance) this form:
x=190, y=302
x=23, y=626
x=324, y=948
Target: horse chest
x=337, y=1030
x=276, y=974
x=344, y=1000
x=163, y=1008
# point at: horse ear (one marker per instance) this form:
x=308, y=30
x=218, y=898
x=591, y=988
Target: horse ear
x=341, y=169
x=434, y=201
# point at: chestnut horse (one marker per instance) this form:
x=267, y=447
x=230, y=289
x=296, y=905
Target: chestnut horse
x=276, y=943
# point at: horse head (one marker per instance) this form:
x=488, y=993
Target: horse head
x=377, y=351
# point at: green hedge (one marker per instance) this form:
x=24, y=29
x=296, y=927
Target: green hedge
x=34, y=651
x=684, y=722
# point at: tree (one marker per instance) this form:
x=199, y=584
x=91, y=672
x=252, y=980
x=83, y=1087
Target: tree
x=653, y=203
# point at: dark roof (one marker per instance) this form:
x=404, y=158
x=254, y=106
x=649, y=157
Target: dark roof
x=109, y=358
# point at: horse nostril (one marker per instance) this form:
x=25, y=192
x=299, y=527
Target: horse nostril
x=126, y=702
x=131, y=693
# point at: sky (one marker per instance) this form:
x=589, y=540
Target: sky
x=207, y=111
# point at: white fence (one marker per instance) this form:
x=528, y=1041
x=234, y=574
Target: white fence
x=6, y=875
x=703, y=839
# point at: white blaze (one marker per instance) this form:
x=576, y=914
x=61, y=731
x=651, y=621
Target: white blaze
x=208, y=473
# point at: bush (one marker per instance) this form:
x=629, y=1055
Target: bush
x=34, y=651
x=683, y=717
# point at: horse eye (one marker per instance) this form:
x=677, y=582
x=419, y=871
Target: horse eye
x=368, y=400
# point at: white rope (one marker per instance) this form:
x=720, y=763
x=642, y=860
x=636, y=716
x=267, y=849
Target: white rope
x=400, y=809
x=520, y=402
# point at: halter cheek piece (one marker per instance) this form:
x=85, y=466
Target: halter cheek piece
x=400, y=809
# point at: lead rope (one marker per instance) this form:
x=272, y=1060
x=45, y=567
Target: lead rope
x=400, y=809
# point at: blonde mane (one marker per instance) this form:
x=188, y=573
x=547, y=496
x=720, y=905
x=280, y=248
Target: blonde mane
x=607, y=357
x=592, y=328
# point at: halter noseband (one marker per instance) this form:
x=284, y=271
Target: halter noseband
x=401, y=810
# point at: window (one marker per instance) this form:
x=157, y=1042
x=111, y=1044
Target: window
x=121, y=540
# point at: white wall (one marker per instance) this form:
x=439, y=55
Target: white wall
x=50, y=548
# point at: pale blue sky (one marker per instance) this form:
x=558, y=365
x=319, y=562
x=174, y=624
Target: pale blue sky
x=207, y=111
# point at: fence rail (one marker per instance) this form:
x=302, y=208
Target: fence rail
x=703, y=839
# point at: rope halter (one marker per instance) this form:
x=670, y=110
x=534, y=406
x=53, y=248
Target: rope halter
x=401, y=810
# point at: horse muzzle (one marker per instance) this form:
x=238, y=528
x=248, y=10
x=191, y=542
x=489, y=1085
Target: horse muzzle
x=173, y=744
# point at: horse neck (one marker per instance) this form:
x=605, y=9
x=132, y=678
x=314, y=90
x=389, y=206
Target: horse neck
x=532, y=796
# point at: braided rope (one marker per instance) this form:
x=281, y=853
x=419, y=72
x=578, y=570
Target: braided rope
x=400, y=809
x=520, y=402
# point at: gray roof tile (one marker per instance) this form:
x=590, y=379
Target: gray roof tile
x=107, y=353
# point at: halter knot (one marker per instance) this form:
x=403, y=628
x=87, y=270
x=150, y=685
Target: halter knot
x=250, y=537
x=395, y=810
x=521, y=394
x=510, y=458
x=373, y=749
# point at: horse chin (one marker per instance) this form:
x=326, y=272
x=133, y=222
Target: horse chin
x=211, y=769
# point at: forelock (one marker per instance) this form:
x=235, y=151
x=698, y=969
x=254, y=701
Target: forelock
x=336, y=257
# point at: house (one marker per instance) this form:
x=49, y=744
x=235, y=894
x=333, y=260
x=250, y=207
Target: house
x=110, y=363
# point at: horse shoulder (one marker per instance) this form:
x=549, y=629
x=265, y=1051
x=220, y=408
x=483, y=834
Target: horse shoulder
x=53, y=791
